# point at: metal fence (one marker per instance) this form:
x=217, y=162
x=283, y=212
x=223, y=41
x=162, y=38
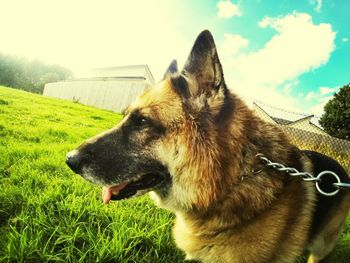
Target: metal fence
x=305, y=132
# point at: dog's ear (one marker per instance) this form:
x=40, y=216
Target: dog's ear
x=172, y=69
x=203, y=63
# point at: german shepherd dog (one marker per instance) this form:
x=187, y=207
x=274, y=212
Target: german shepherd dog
x=193, y=144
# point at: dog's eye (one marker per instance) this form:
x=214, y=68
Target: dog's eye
x=139, y=120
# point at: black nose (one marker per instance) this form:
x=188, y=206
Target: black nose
x=74, y=161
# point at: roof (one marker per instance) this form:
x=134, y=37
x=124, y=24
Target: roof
x=281, y=121
x=281, y=114
x=132, y=72
x=285, y=117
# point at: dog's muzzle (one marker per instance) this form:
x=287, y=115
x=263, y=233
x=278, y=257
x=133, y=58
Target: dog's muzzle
x=117, y=187
x=75, y=160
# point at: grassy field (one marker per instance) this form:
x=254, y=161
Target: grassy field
x=49, y=214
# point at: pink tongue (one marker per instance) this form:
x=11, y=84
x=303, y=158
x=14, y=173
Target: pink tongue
x=108, y=192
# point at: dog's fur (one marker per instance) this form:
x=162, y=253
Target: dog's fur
x=202, y=140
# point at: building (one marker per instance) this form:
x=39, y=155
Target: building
x=302, y=129
x=288, y=119
x=112, y=88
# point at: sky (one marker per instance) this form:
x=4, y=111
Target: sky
x=287, y=53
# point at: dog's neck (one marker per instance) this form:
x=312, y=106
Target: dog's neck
x=224, y=167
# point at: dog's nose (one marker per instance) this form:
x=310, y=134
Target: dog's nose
x=74, y=160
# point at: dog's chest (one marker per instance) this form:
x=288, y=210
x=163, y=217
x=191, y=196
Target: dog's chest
x=231, y=246
x=219, y=248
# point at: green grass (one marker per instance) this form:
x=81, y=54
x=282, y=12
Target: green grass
x=49, y=214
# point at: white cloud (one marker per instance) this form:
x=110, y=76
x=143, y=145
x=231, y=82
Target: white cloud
x=287, y=87
x=227, y=9
x=322, y=96
x=232, y=44
x=345, y=39
x=326, y=90
x=310, y=95
x=318, y=109
x=87, y=34
x=318, y=5
x=298, y=46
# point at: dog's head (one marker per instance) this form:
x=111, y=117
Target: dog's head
x=167, y=140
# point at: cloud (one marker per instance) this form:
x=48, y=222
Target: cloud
x=298, y=46
x=318, y=5
x=318, y=108
x=321, y=97
x=232, y=44
x=345, y=39
x=287, y=88
x=326, y=90
x=310, y=95
x=111, y=33
x=226, y=9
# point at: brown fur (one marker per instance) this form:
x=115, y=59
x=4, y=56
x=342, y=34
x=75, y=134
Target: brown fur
x=240, y=220
x=225, y=212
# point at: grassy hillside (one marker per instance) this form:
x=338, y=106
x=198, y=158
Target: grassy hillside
x=49, y=214
x=46, y=212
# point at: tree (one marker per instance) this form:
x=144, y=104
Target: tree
x=336, y=117
x=21, y=73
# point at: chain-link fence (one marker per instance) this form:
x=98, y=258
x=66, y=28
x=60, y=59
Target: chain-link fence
x=305, y=131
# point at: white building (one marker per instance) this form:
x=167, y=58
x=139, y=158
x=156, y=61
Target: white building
x=111, y=88
x=285, y=118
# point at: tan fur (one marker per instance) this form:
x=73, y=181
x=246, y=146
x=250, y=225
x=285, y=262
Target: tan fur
x=199, y=159
x=325, y=241
x=212, y=206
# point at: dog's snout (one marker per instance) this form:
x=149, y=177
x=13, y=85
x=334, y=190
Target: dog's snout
x=74, y=161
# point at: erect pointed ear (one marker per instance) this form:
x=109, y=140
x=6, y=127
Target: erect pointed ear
x=204, y=64
x=171, y=69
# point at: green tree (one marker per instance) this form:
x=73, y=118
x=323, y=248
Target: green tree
x=20, y=73
x=336, y=117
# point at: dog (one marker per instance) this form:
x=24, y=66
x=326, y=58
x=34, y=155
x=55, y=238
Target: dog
x=193, y=144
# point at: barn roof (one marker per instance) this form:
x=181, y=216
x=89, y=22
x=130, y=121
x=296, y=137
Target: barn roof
x=285, y=117
x=131, y=72
x=281, y=121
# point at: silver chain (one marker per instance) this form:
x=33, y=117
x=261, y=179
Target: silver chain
x=306, y=176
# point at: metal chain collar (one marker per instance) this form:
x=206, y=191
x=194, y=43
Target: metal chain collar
x=306, y=176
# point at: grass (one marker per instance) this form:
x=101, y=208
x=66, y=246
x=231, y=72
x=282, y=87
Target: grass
x=49, y=214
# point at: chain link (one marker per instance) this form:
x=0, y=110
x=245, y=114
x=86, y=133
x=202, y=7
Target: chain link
x=306, y=176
